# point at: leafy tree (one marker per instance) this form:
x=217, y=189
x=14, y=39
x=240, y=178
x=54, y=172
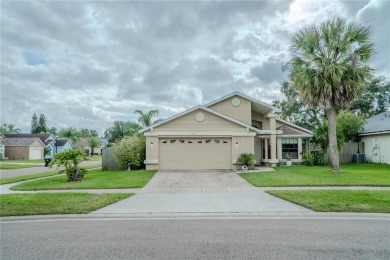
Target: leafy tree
x=130, y=150
x=70, y=159
x=9, y=129
x=350, y=125
x=42, y=127
x=52, y=130
x=120, y=130
x=375, y=99
x=295, y=111
x=146, y=119
x=70, y=133
x=329, y=69
x=93, y=142
x=93, y=133
x=320, y=136
x=34, y=124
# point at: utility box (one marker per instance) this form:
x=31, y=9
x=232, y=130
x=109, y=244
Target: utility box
x=359, y=158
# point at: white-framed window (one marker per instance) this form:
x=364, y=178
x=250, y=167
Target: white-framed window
x=290, y=148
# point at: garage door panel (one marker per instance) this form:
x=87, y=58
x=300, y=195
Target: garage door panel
x=195, y=154
x=36, y=153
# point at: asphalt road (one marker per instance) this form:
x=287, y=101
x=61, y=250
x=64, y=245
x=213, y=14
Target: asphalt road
x=215, y=238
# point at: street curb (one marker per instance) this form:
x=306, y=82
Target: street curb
x=248, y=215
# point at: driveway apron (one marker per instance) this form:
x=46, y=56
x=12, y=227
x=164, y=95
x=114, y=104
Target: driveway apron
x=199, y=192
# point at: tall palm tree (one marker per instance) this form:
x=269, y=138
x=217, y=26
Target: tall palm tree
x=146, y=119
x=329, y=68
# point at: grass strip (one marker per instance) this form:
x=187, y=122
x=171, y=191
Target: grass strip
x=349, y=175
x=94, y=179
x=27, y=177
x=55, y=203
x=338, y=200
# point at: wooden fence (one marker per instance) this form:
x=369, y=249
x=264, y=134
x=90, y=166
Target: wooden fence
x=108, y=160
x=349, y=149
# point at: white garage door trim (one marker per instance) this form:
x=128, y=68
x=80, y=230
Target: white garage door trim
x=36, y=153
x=195, y=153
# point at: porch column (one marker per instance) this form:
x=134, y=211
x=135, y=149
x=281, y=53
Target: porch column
x=279, y=141
x=266, y=148
x=272, y=126
x=300, y=149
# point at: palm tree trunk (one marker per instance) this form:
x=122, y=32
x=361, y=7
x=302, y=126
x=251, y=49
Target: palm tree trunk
x=332, y=135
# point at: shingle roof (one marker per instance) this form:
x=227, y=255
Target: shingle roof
x=20, y=141
x=43, y=137
x=287, y=130
x=62, y=141
x=377, y=123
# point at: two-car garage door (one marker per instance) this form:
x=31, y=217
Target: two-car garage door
x=195, y=153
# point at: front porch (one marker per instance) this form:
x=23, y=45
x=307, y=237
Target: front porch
x=271, y=151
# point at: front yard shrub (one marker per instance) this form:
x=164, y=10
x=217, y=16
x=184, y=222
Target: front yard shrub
x=247, y=159
x=313, y=158
x=70, y=159
x=130, y=150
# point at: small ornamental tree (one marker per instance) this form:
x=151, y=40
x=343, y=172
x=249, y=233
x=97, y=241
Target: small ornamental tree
x=70, y=159
x=130, y=150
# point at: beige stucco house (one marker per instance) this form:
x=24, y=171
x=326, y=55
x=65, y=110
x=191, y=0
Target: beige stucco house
x=213, y=135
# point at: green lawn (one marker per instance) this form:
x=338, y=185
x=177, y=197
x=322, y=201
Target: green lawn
x=95, y=179
x=55, y=203
x=13, y=166
x=349, y=175
x=339, y=200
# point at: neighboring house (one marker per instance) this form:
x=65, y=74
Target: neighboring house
x=24, y=148
x=98, y=149
x=2, y=146
x=64, y=144
x=376, y=138
x=213, y=135
x=48, y=139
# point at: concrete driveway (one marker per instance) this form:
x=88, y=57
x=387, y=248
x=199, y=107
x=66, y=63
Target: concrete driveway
x=199, y=192
x=172, y=182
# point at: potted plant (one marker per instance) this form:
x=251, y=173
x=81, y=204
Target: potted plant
x=247, y=159
x=288, y=162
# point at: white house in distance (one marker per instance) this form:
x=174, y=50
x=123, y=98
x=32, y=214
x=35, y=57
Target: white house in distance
x=212, y=136
x=376, y=138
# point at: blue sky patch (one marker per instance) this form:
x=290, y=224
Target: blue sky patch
x=34, y=59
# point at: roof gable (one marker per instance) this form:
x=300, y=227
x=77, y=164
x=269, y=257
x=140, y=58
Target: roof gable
x=256, y=104
x=204, y=109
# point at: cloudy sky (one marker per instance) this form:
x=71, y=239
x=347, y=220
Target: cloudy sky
x=86, y=64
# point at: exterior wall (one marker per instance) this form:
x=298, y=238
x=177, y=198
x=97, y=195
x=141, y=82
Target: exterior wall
x=2, y=150
x=241, y=112
x=377, y=148
x=17, y=152
x=242, y=144
x=265, y=122
x=188, y=123
x=152, y=148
